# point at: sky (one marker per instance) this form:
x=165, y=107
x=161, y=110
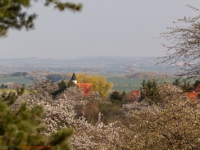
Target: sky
x=103, y=28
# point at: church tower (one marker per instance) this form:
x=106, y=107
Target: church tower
x=74, y=78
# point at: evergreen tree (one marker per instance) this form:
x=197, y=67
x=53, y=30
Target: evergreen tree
x=150, y=91
x=61, y=87
x=22, y=129
x=13, y=13
x=70, y=83
x=10, y=97
x=196, y=83
x=124, y=94
x=177, y=82
x=116, y=96
x=186, y=86
x=143, y=89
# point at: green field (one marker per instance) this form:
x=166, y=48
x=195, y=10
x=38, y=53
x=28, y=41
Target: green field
x=126, y=88
x=122, y=81
x=20, y=80
x=103, y=74
x=122, y=84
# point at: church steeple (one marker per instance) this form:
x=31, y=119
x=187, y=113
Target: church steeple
x=74, y=78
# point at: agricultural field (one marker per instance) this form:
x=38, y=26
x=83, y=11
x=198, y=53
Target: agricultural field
x=126, y=88
x=20, y=80
x=120, y=83
x=123, y=84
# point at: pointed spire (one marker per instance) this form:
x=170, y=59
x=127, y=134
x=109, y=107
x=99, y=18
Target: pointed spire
x=73, y=77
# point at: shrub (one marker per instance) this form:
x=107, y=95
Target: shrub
x=91, y=111
x=110, y=111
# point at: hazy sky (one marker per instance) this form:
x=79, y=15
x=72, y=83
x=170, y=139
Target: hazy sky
x=103, y=28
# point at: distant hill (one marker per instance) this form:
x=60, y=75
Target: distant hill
x=84, y=60
x=141, y=75
x=115, y=64
x=91, y=71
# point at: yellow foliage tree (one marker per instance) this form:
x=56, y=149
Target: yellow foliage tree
x=98, y=83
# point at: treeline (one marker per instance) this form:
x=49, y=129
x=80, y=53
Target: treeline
x=57, y=77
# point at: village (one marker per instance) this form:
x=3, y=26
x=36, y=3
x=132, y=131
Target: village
x=133, y=95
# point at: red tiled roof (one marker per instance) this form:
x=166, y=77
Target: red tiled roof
x=193, y=95
x=133, y=95
x=86, y=87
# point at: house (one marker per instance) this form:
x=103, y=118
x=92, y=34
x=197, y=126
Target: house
x=194, y=95
x=86, y=87
x=134, y=95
